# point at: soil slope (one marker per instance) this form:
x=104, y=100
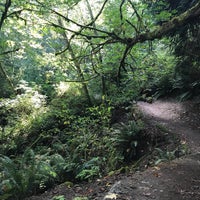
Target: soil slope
x=176, y=180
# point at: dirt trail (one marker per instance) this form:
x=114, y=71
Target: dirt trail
x=180, y=118
x=176, y=180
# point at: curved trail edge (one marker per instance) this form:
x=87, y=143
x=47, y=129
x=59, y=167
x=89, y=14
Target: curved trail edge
x=177, y=180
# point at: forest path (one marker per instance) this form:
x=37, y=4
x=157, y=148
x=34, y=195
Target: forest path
x=175, y=180
x=181, y=118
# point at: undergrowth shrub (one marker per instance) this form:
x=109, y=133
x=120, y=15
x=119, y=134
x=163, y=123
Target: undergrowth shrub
x=23, y=176
x=64, y=147
x=128, y=140
x=89, y=169
x=65, y=140
x=156, y=73
x=21, y=112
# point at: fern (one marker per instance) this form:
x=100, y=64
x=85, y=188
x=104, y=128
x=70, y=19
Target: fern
x=24, y=176
x=89, y=169
x=128, y=139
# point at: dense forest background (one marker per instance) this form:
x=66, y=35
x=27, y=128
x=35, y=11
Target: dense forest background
x=71, y=69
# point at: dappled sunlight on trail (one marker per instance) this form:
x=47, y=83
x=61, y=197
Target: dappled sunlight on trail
x=166, y=110
x=175, y=117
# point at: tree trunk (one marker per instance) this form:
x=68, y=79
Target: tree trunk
x=103, y=89
x=3, y=72
x=77, y=66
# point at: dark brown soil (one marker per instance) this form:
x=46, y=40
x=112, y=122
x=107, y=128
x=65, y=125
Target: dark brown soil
x=173, y=180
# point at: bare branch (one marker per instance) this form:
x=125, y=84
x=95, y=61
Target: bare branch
x=11, y=51
x=140, y=21
x=15, y=13
x=80, y=25
x=132, y=25
x=122, y=62
x=120, y=9
x=4, y=14
x=80, y=81
x=97, y=16
x=77, y=32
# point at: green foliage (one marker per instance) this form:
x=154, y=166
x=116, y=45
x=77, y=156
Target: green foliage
x=101, y=114
x=89, y=169
x=5, y=91
x=164, y=156
x=80, y=198
x=60, y=197
x=156, y=73
x=66, y=146
x=23, y=176
x=168, y=155
x=128, y=140
x=185, y=43
x=186, y=81
x=21, y=112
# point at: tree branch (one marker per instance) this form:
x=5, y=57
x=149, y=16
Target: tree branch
x=4, y=14
x=120, y=9
x=7, y=52
x=132, y=25
x=168, y=27
x=140, y=24
x=157, y=33
x=142, y=34
x=77, y=32
x=97, y=16
x=82, y=27
x=160, y=31
x=122, y=62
